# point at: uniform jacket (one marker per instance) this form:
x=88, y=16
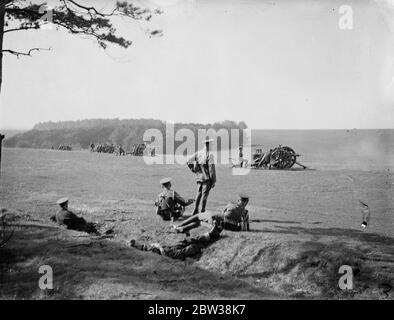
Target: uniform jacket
x=235, y=213
x=168, y=198
x=65, y=216
x=205, y=166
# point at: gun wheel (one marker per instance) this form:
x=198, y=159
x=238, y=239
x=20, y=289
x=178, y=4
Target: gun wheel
x=283, y=158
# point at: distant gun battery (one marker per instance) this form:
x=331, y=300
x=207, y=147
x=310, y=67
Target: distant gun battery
x=281, y=157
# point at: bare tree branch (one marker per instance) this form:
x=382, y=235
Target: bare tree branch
x=78, y=19
x=23, y=28
x=90, y=9
x=17, y=53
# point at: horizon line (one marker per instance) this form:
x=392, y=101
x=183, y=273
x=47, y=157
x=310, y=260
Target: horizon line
x=270, y=129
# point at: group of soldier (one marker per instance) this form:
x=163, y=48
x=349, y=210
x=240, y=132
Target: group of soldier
x=107, y=148
x=63, y=147
x=171, y=206
x=136, y=149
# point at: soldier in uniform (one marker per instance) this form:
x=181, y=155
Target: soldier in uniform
x=266, y=159
x=202, y=163
x=240, y=156
x=189, y=247
x=66, y=217
x=234, y=217
x=170, y=205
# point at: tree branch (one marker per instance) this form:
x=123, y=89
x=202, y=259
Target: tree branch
x=78, y=19
x=23, y=28
x=17, y=53
x=89, y=9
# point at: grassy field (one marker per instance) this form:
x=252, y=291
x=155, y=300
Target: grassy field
x=305, y=225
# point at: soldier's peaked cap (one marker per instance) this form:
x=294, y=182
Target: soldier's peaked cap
x=243, y=195
x=62, y=200
x=165, y=180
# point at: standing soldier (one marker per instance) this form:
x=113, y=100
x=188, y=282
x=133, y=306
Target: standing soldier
x=202, y=163
x=241, y=161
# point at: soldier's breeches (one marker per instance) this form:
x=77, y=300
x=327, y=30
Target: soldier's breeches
x=203, y=189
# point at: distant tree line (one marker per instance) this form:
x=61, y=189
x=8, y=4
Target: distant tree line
x=125, y=133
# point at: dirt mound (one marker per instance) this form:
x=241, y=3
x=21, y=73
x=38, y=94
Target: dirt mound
x=300, y=269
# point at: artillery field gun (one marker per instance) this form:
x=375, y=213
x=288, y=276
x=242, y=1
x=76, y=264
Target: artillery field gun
x=281, y=157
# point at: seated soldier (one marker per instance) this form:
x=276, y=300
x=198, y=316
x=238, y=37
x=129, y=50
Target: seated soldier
x=71, y=220
x=170, y=205
x=234, y=217
x=189, y=247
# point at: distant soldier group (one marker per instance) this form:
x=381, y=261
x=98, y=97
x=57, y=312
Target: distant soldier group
x=64, y=147
x=136, y=149
x=119, y=151
x=104, y=148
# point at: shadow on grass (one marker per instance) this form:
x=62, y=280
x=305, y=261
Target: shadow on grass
x=273, y=231
x=362, y=236
x=275, y=221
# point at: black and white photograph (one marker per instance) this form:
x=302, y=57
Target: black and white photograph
x=208, y=151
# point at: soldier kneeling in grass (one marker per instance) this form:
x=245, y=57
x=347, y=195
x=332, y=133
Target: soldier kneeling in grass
x=69, y=219
x=234, y=217
x=187, y=248
x=170, y=205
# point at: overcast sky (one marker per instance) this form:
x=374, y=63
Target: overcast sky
x=273, y=64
